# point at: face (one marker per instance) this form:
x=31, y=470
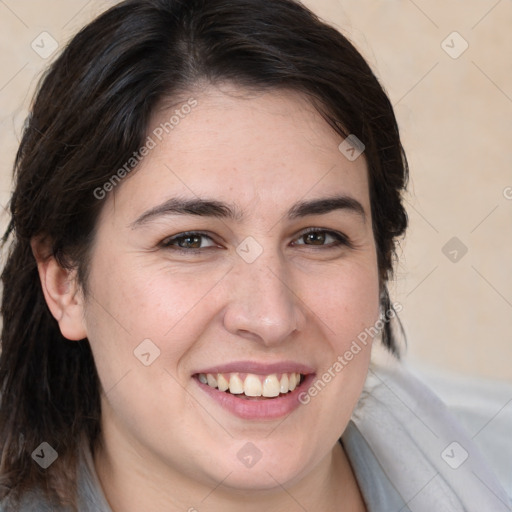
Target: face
x=238, y=255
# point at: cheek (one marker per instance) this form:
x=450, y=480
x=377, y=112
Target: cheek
x=346, y=301
x=347, y=305
x=132, y=302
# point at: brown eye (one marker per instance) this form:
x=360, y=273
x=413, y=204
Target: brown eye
x=188, y=241
x=314, y=238
x=322, y=237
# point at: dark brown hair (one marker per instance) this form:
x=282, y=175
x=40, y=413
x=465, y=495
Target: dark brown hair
x=90, y=114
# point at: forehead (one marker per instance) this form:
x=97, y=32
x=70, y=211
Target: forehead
x=266, y=150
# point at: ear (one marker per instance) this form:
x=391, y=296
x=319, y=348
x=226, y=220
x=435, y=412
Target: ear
x=62, y=292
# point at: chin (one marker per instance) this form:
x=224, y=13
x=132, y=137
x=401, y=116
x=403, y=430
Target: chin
x=260, y=465
x=263, y=480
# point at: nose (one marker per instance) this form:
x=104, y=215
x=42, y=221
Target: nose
x=263, y=305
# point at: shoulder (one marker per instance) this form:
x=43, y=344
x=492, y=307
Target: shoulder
x=484, y=408
x=31, y=502
x=408, y=423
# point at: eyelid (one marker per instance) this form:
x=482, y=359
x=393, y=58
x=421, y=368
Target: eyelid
x=166, y=241
x=340, y=238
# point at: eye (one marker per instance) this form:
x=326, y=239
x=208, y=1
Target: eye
x=322, y=238
x=194, y=242
x=188, y=242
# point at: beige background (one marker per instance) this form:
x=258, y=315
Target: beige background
x=455, y=116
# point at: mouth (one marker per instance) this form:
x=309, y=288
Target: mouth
x=251, y=386
x=254, y=391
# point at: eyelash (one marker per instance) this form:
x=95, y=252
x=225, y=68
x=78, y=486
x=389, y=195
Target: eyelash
x=341, y=240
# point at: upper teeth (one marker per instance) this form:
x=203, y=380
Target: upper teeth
x=252, y=384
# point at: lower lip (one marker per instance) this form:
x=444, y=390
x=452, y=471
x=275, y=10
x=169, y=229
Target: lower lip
x=265, y=409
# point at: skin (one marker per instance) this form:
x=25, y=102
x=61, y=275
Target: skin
x=165, y=444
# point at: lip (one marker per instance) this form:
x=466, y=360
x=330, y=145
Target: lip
x=259, y=368
x=264, y=409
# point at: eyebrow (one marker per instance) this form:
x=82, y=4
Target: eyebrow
x=218, y=209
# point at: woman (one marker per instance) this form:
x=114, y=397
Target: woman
x=207, y=199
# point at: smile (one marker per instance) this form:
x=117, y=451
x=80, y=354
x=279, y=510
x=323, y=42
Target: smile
x=250, y=385
x=255, y=391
